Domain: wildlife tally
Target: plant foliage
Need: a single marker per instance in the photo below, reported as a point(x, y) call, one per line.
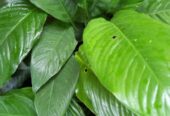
point(84, 57)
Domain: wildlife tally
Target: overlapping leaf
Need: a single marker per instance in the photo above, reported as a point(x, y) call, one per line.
point(63, 10)
point(20, 27)
point(54, 98)
point(17, 103)
point(55, 47)
point(91, 8)
point(132, 62)
point(96, 97)
point(130, 4)
point(74, 109)
point(158, 9)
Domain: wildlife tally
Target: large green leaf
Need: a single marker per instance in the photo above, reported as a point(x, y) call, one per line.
point(17, 103)
point(132, 62)
point(158, 9)
point(20, 27)
point(55, 47)
point(54, 98)
point(74, 109)
point(63, 10)
point(96, 97)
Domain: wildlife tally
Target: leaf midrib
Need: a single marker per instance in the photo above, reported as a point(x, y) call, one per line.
point(61, 36)
point(139, 54)
point(14, 27)
point(61, 3)
point(51, 93)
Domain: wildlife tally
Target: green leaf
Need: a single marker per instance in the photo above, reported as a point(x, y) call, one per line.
point(54, 98)
point(74, 109)
point(20, 27)
point(128, 2)
point(17, 103)
point(63, 10)
point(158, 9)
point(132, 62)
point(55, 47)
point(96, 97)
point(98, 7)
point(2, 3)
point(92, 8)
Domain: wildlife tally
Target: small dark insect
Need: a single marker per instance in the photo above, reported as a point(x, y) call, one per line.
point(85, 70)
point(114, 37)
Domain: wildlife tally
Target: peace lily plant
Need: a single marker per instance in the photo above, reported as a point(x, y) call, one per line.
point(84, 57)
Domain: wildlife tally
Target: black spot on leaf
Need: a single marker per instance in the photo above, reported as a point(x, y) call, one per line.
point(85, 70)
point(114, 37)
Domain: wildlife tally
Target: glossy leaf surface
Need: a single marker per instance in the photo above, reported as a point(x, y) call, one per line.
point(89, 9)
point(20, 27)
point(54, 98)
point(130, 61)
point(130, 2)
point(96, 97)
point(158, 9)
point(17, 103)
point(74, 109)
point(56, 45)
point(63, 10)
